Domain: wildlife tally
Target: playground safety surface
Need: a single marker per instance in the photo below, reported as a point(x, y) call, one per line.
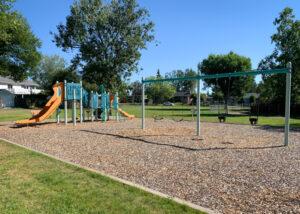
point(234, 168)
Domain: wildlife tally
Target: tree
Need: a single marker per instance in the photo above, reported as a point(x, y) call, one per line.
point(158, 75)
point(287, 49)
point(136, 91)
point(18, 46)
point(159, 91)
point(52, 69)
point(232, 62)
point(107, 38)
point(186, 85)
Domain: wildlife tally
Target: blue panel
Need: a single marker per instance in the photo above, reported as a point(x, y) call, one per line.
point(94, 101)
point(103, 101)
point(85, 98)
point(116, 102)
point(70, 91)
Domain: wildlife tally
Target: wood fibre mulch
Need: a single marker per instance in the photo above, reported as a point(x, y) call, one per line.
point(230, 169)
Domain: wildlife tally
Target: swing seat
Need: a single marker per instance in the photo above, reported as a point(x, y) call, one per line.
point(222, 118)
point(178, 120)
point(157, 118)
point(253, 121)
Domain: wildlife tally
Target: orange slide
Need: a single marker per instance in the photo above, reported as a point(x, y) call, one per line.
point(49, 108)
point(130, 116)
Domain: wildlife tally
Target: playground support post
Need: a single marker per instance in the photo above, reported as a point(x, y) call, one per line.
point(287, 104)
point(117, 106)
point(74, 107)
point(81, 105)
point(143, 105)
point(65, 102)
point(198, 105)
point(92, 110)
point(57, 111)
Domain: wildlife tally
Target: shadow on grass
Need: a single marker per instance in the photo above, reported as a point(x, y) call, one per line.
point(183, 147)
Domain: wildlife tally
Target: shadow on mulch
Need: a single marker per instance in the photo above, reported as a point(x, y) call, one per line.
point(183, 147)
point(277, 128)
point(15, 126)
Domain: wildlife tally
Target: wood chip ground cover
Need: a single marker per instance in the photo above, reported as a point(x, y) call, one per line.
point(234, 168)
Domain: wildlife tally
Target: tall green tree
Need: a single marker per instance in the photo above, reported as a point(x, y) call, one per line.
point(18, 45)
point(186, 85)
point(136, 91)
point(51, 69)
point(159, 92)
point(287, 49)
point(232, 62)
point(106, 37)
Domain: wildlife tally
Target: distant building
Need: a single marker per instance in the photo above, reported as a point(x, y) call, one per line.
point(183, 97)
point(247, 97)
point(9, 89)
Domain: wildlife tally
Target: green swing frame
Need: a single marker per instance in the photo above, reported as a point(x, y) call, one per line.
point(287, 71)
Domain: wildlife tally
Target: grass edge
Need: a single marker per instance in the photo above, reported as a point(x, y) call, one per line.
point(119, 180)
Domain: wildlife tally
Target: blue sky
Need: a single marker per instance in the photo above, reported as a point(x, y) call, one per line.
point(187, 31)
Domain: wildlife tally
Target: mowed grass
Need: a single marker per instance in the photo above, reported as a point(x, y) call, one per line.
point(178, 112)
point(13, 114)
point(34, 183)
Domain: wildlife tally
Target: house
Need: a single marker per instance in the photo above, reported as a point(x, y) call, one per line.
point(9, 89)
point(248, 98)
point(183, 97)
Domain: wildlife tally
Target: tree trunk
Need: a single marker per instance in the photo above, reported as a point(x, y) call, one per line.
point(226, 104)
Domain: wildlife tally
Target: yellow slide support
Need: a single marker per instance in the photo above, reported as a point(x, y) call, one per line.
point(49, 108)
point(129, 116)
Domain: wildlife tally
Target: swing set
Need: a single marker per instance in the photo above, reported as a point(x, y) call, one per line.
point(253, 120)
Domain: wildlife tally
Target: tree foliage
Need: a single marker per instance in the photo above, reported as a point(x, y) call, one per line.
point(107, 38)
point(136, 91)
point(232, 62)
point(52, 69)
point(287, 49)
point(159, 92)
point(186, 85)
point(18, 46)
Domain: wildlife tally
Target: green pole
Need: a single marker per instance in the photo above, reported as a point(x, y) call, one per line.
point(198, 106)
point(57, 110)
point(92, 110)
point(143, 105)
point(117, 109)
point(74, 107)
point(81, 105)
point(287, 104)
point(65, 102)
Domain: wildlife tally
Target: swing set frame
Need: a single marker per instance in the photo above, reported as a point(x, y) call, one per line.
point(199, 77)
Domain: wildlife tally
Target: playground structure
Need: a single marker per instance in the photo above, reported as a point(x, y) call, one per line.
point(73, 92)
point(287, 71)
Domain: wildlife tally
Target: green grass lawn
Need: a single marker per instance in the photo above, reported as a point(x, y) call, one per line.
point(14, 114)
point(182, 111)
point(34, 183)
point(176, 112)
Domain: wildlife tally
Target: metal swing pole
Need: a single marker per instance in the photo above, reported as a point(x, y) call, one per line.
point(143, 105)
point(287, 103)
point(198, 104)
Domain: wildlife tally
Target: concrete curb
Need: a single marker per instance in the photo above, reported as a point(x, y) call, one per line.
point(146, 189)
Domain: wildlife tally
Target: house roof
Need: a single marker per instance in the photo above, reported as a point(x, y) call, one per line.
point(6, 91)
point(182, 94)
point(5, 80)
